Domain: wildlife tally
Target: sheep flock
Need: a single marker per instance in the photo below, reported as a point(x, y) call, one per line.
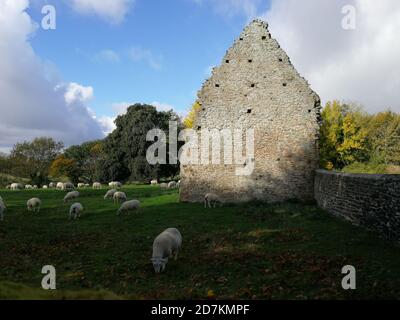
point(166, 245)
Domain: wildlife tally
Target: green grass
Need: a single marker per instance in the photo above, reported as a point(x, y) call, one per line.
point(286, 251)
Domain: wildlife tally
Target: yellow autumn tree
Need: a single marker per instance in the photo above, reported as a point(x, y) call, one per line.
point(191, 117)
point(342, 136)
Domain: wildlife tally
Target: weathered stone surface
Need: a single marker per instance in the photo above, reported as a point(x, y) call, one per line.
point(256, 86)
point(368, 200)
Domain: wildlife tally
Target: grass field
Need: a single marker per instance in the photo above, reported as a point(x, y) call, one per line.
point(252, 251)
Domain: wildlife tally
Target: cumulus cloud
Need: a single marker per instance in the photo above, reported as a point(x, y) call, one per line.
point(75, 92)
point(112, 11)
point(360, 65)
point(32, 102)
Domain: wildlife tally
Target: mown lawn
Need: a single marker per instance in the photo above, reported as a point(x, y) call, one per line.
point(252, 251)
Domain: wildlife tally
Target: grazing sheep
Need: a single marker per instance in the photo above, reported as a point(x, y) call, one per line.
point(70, 196)
point(52, 185)
point(68, 186)
point(34, 204)
point(75, 211)
point(119, 196)
point(165, 245)
point(154, 182)
point(16, 186)
point(164, 185)
point(45, 187)
point(115, 184)
point(172, 185)
point(28, 187)
point(129, 206)
point(87, 185)
point(35, 187)
point(110, 194)
point(211, 199)
point(81, 185)
point(96, 185)
point(60, 185)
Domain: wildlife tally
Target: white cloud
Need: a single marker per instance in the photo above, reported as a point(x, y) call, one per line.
point(107, 55)
point(112, 11)
point(139, 54)
point(162, 106)
point(75, 92)
point(360, 65)
point(32, 102)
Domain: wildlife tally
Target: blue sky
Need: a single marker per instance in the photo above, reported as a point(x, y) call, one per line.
point(180, 40)
point(70, 83)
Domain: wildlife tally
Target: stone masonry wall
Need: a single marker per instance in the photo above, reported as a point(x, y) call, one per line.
point(256, 86)
point(371, 201)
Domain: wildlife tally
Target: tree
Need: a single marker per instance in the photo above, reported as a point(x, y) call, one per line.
point(384, 137)
point(125, 148)
point(191, 117)
point(33, 159)
point(62, 166)
point(342, 137)
point(88, 158)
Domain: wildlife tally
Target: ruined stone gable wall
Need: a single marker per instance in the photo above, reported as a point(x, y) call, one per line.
point(256, 86)
point(368, 200)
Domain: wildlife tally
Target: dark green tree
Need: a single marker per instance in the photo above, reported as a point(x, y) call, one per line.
point(125, 148)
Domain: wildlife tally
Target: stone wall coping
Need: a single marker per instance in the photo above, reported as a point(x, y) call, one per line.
point(361, 175)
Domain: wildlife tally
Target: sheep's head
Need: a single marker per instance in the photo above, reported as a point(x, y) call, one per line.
point(159, 264)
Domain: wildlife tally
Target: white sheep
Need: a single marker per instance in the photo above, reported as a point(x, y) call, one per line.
point(81, 185)
point(172, 185)
point(68, 186)
point(60, 185)
point(129, 206)
point(52, 185)
point(165, 245)
point(75, 211)
point(154, 182)
point(110, 194)
point(70, 196)
point(28, 187)
point(35, 187)
point(119, 196)
point(212, 199)
point(87, 185)
point(34, 204)
point(96, 185)
point(16, 186)
point(115, 184)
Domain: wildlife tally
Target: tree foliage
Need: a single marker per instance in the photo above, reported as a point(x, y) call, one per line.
point(188, 122)
point(353, 139)
point(33, 159)
point(126, 146)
